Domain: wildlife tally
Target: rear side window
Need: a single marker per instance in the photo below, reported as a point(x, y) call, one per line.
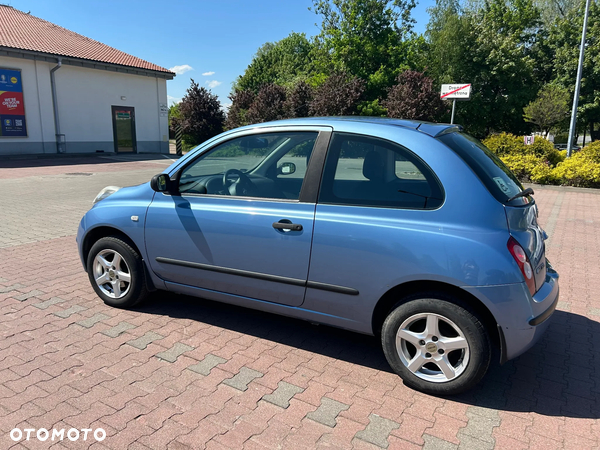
point(498, 178)
point(366, 171)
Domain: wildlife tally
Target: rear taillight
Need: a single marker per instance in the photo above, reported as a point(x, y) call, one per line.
point(523, 262)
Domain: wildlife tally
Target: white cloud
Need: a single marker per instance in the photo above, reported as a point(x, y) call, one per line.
point(181, 69)
point(172, 100)
point(208, 74)
point(225, 107)
point(213, 83)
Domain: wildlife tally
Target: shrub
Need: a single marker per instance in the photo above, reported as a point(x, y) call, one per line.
point(505, 144)
point(544, 148)
point(523, 166)
point(591, 151)
point(200, 115)
point(339, 95)
point(578, 170)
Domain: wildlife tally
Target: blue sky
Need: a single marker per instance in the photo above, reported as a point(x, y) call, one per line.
point(211, 41)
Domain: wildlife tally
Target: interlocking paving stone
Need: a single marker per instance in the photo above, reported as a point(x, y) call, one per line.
point(142, 342)
point(117, 330)
point(209, 362)
point(480, 425)
point(553, 218)
point(47, 303)
point(91, 321)
point(174, 352)
point(69, 311)
point(565, 306)
point(471, 443)
point(28, 295)
point(12, 287)
point(242, 378)
point(283, 394)
point(328, 411)
point(435, 443)
point(378, 431)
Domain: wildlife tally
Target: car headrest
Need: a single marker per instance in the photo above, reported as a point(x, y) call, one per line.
point(373, 167)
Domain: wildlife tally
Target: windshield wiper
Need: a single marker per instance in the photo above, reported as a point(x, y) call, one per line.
point(523, 193)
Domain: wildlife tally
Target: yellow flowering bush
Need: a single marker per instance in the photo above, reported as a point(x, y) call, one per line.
point(541, 163)
point(579, 170)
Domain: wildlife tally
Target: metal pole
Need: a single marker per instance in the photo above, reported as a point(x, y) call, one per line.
point(578, 82)
point(454, 106)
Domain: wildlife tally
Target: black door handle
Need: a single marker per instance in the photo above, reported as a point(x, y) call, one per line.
point(287, 226)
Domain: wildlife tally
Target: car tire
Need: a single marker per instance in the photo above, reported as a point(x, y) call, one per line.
point(444, 359)
point(116, 272)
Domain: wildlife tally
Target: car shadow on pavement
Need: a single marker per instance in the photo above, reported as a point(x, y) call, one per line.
point(557, 377)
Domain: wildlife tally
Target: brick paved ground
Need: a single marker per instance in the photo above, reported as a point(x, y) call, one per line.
point(183, 373)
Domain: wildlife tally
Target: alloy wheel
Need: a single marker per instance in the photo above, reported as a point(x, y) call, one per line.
point(432, 347)
point(112, 274)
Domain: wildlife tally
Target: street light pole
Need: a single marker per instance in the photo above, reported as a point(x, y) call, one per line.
point(578, 82)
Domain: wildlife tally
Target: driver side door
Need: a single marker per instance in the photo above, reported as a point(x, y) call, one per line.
point(238, 226)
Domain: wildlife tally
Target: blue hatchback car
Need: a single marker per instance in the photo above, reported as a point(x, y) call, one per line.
point(411, 231)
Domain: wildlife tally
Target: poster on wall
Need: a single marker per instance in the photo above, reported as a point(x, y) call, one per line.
point(12, 109)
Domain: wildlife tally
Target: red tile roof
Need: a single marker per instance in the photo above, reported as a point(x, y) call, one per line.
point(23, 31)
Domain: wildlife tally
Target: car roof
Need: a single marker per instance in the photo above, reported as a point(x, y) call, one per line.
point(429, 128)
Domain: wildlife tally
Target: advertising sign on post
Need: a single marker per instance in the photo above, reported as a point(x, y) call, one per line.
point(12, 108)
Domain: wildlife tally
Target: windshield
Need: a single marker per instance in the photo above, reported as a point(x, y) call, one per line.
point(498, 178)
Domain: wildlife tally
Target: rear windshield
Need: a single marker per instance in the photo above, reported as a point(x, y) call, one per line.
point(498, 178)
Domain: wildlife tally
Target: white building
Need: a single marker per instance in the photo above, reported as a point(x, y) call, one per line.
point(61, 92)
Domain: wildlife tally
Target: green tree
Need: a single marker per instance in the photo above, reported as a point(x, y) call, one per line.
point(565, 38)
point(369, 39)
point(549, 108)
point(283, 62)
point(494, 48)
point(201, 116)
point(174, 117)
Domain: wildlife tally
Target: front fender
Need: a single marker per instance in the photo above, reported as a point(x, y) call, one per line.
point(123, 212)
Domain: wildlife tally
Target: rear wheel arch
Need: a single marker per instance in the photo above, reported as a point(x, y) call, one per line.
point(387, 302)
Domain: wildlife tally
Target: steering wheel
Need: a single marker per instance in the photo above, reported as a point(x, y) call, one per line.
point(242, 187)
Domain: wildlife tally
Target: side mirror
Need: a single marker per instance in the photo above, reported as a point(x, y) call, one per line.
point(287, 168)
point(162, 183)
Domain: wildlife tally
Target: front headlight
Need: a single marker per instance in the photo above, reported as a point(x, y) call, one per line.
point(108, 190)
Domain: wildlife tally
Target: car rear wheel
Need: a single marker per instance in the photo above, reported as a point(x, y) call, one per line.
point(116, 272)
point(437, 344)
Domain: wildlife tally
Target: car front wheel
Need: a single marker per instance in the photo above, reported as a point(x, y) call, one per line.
point(436, 344)
point(116, 272)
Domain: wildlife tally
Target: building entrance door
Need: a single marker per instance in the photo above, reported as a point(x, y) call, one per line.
point(123, 118)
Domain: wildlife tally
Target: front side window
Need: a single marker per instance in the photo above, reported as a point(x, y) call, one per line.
point(367, 171)
point(268, 165)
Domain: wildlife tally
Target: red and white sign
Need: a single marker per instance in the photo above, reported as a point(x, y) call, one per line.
point(528, 139)
point(11, 103)
point(453, 91)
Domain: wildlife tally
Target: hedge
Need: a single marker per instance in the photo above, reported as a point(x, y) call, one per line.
point(541, 163)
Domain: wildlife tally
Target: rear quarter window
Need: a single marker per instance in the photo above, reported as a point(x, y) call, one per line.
point(490, 169)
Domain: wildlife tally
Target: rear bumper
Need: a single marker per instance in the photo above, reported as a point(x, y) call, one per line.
point(521, 319)
point(518, 341)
